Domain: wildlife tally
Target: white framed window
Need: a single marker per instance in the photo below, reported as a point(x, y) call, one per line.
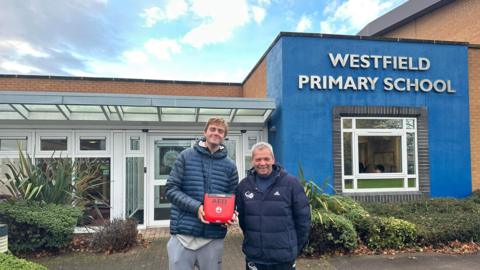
point(135, 143)
point(249, 140)
point(92, 144)
point(379, 154)
point(10, 140)
point(53, 143)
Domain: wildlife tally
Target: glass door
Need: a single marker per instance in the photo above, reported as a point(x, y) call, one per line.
point(164, 152)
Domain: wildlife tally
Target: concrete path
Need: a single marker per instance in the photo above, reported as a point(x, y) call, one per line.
point(155, 258)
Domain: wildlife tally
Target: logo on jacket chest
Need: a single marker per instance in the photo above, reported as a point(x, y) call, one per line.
point(249, 195)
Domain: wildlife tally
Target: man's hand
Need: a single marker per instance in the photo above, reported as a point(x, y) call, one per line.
point(232, 221)
point(201, 215)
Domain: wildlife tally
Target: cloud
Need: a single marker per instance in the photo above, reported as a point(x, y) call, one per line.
point(218, 23)
point(14, 67)
point(350, 16)
point(162, 48)
point(264, 2)
point(21, 48)
point(172, 10)
point(50, 37)
point(135, 57)
point(258, 14)
point(304, 24)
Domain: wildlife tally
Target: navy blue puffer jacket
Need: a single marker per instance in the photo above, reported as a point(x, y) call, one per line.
point(196, 172)
point(275, 223)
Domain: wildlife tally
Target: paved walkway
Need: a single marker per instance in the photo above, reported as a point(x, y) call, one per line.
point(154, 257)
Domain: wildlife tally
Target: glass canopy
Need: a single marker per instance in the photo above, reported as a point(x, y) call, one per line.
point(125, 108)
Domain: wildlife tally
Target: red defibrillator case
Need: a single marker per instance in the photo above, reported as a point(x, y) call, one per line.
point(218, 208)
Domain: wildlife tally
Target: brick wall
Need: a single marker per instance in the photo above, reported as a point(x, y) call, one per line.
point(58, 84)
point(256, 85)
point(457, 21)
point(474, 95)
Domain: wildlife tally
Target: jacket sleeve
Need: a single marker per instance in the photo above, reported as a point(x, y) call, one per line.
point(301, 215)
point(240, 208)
point(174, 190)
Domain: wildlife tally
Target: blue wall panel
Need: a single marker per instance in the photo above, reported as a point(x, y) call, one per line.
point(303, 120)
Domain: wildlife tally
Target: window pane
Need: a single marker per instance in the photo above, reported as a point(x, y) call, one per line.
point(347, 123)
point(380, 154)
point(231, 147)
point(410, 123)
point(380, 123)
point(348, 183)
point(250, 112)
point(134, 143)
point(412, 182)
point(252, 140)
point(411, 153)
point(248, 164)
point(380, 183)
point(92, 144)
point(4, 169)
point(134, 192)
point(347, 153)
point(13, 143)
point(162, 205)
point(166, 153)
point(84, 108)
point(97, 210)
point(58, 144)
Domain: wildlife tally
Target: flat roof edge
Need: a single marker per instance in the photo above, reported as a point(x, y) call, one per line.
point(57, 77)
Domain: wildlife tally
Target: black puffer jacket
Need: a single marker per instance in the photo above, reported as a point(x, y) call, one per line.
point(276, 223)
point(196, 172)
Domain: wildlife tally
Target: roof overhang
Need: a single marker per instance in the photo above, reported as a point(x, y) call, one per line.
point(120, 108)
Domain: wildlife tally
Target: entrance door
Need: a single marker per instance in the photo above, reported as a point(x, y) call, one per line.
point(163, 151)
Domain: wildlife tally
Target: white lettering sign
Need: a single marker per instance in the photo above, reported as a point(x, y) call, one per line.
point(366, 83)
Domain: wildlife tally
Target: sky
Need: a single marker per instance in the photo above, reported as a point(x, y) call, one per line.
point(189, 40)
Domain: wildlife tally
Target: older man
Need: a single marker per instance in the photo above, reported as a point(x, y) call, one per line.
point(274, 213)
point(205, 168)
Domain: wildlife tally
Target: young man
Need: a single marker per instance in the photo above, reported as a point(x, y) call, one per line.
point(205, 168)
point(274, 213)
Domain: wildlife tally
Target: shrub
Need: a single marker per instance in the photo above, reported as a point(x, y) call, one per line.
point(438, 221)
point(353, 211)
point(33, 226)
point(11, 262)
point(116, 235)
point(333, 233)
point(475, 196)
point(390, 233)
point(57, 181)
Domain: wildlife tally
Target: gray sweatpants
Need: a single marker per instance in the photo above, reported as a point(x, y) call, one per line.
point(208, 257)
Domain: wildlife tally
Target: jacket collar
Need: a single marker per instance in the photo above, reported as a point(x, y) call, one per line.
point(201, 148)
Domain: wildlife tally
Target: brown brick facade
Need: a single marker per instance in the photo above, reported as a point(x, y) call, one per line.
point(93, 85)
point(474, 95)
point(457, 21)
point(256, 84)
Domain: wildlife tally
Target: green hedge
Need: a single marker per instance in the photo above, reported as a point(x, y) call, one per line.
point(33, 226)
point(10, 262)
point(438, 221)
point(353, 211)
point(330, 232)
point(390, 233)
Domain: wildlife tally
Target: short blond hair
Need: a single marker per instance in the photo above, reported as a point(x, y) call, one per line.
point(217, 121)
